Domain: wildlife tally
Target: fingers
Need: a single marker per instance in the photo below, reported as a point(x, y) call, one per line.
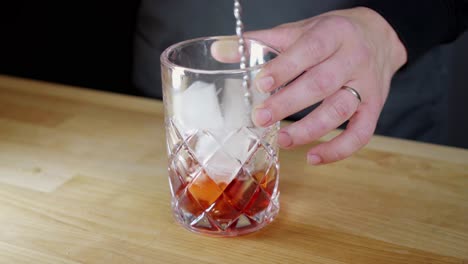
point(280, 37)
point(333, 112)
point(312, 87)
point(320, 63)
point(313, 47)
point(356, 135)
point(226, 50)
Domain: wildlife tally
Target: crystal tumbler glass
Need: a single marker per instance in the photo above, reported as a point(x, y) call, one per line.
point(223, 170)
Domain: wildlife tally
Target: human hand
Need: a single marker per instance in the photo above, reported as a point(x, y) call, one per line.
point(353, 47)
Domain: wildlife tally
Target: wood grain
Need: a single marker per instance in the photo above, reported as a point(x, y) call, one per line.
point(83, 179)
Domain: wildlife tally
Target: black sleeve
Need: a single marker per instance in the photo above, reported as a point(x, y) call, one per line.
point(422, 25)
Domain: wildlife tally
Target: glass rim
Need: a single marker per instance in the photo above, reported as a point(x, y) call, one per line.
point(164, 58)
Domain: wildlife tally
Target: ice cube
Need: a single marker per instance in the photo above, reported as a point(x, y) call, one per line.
point(236, 112)
point(197, 108)
point(222, 167)
point(236, 107)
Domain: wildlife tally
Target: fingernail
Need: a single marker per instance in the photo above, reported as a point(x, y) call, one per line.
point(261, 116)
point(225, 50)
point(264, 83)
point(284, 139)
point(313, 159)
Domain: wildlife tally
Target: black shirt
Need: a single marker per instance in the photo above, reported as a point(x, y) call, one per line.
point(422, 25)
point(417, 105)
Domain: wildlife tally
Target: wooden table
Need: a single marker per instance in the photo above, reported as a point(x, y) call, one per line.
point(83, 180)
